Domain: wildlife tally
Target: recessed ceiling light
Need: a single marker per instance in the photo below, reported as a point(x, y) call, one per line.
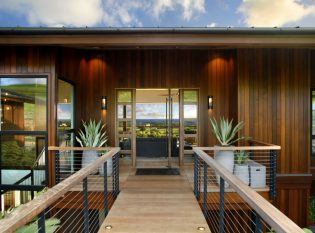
point(201, 228)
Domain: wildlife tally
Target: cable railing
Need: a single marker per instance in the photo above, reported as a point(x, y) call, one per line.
point(238, 200)
point(80, 200)
point(32, 178)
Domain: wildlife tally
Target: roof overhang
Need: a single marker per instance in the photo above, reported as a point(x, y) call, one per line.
point(160, 37)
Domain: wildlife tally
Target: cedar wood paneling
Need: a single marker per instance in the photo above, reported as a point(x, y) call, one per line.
point(273, 92)
point(99, 73)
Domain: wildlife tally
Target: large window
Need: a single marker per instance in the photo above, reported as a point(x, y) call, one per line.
point(23, 132)
point(313, 123)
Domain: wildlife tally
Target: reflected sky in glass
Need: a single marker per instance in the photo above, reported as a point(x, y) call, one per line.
point(158, 111)
point(21, 81)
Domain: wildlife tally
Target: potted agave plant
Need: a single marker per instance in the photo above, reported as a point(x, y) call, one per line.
point(241, 166)
point(226, 135)
point(92, 136)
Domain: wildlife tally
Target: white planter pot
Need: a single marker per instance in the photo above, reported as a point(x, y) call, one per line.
point(257, 174)
point(89, 157)
point(226, 159)
point(242, 172)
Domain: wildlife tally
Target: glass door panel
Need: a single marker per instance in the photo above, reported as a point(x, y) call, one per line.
point(124, 122)
point(152, 129)
point(174, 137)
point(189, 129)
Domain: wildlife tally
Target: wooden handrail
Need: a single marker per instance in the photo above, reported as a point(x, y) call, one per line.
point(234, 148)
point(56, 148)
point(274, 217)
point(33, 208)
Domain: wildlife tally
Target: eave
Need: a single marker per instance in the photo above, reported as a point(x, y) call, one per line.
point(160, 37)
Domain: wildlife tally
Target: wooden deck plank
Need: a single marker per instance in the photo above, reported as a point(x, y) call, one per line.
point(155, 204)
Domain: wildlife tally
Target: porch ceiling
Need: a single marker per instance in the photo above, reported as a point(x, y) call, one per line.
point(115, 38)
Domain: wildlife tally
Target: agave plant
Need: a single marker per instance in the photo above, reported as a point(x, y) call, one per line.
point(92, 135)
point(241, 157)
point(224, 131)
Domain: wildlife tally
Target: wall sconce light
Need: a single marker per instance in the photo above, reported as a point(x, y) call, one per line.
point(104, 103)
point(210, 102)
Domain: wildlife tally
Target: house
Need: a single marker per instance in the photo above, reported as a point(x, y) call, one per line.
point(262, 76)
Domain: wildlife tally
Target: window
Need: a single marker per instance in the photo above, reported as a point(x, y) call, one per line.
point(66, 123)
point(23, 132)
point(313, 123)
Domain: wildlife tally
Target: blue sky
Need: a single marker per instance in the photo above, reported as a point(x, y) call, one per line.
point(154, 13)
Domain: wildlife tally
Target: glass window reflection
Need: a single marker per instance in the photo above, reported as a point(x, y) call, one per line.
point(23, 104)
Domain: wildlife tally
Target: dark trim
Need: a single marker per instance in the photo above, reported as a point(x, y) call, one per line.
point(312, 137)
point(157, 30)
point(294, 181)
point(7, 187)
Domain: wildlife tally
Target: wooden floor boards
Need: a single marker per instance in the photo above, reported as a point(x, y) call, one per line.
point(154, 204)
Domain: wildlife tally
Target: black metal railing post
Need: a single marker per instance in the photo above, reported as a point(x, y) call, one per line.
point(41, 223)
point(115, 175)
point(273, 170)
point(57, 167)
point(221, 227)
point(32, 183)
point(105, 190)
point(205, 187)
point(85, 205)
point(258, 224)
point(197, 177)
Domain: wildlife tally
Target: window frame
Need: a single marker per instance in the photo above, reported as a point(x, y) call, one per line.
point(312, 136)
point(72, 130)
point(6, 187)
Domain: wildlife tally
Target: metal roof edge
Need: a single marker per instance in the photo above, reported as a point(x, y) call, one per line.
point(157, 30)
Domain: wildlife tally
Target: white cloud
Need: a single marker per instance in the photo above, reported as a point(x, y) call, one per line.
point(93, 12)
point(211, 25)
point(189, 7)
point(57, 12)
point(266, 13)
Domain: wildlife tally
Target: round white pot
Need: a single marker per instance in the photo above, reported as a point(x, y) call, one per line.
point(226, 159)
point(242, 172)
point(89, 157)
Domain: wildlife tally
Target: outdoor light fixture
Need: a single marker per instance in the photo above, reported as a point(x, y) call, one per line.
point(104, 103)
point(210, 102)
point(108, 227)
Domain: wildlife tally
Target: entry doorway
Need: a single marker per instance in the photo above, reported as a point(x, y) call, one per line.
point(157, 127)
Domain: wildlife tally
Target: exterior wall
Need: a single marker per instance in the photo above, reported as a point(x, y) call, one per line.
point(274, 103)
point(99, 73)
point(267, 88)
